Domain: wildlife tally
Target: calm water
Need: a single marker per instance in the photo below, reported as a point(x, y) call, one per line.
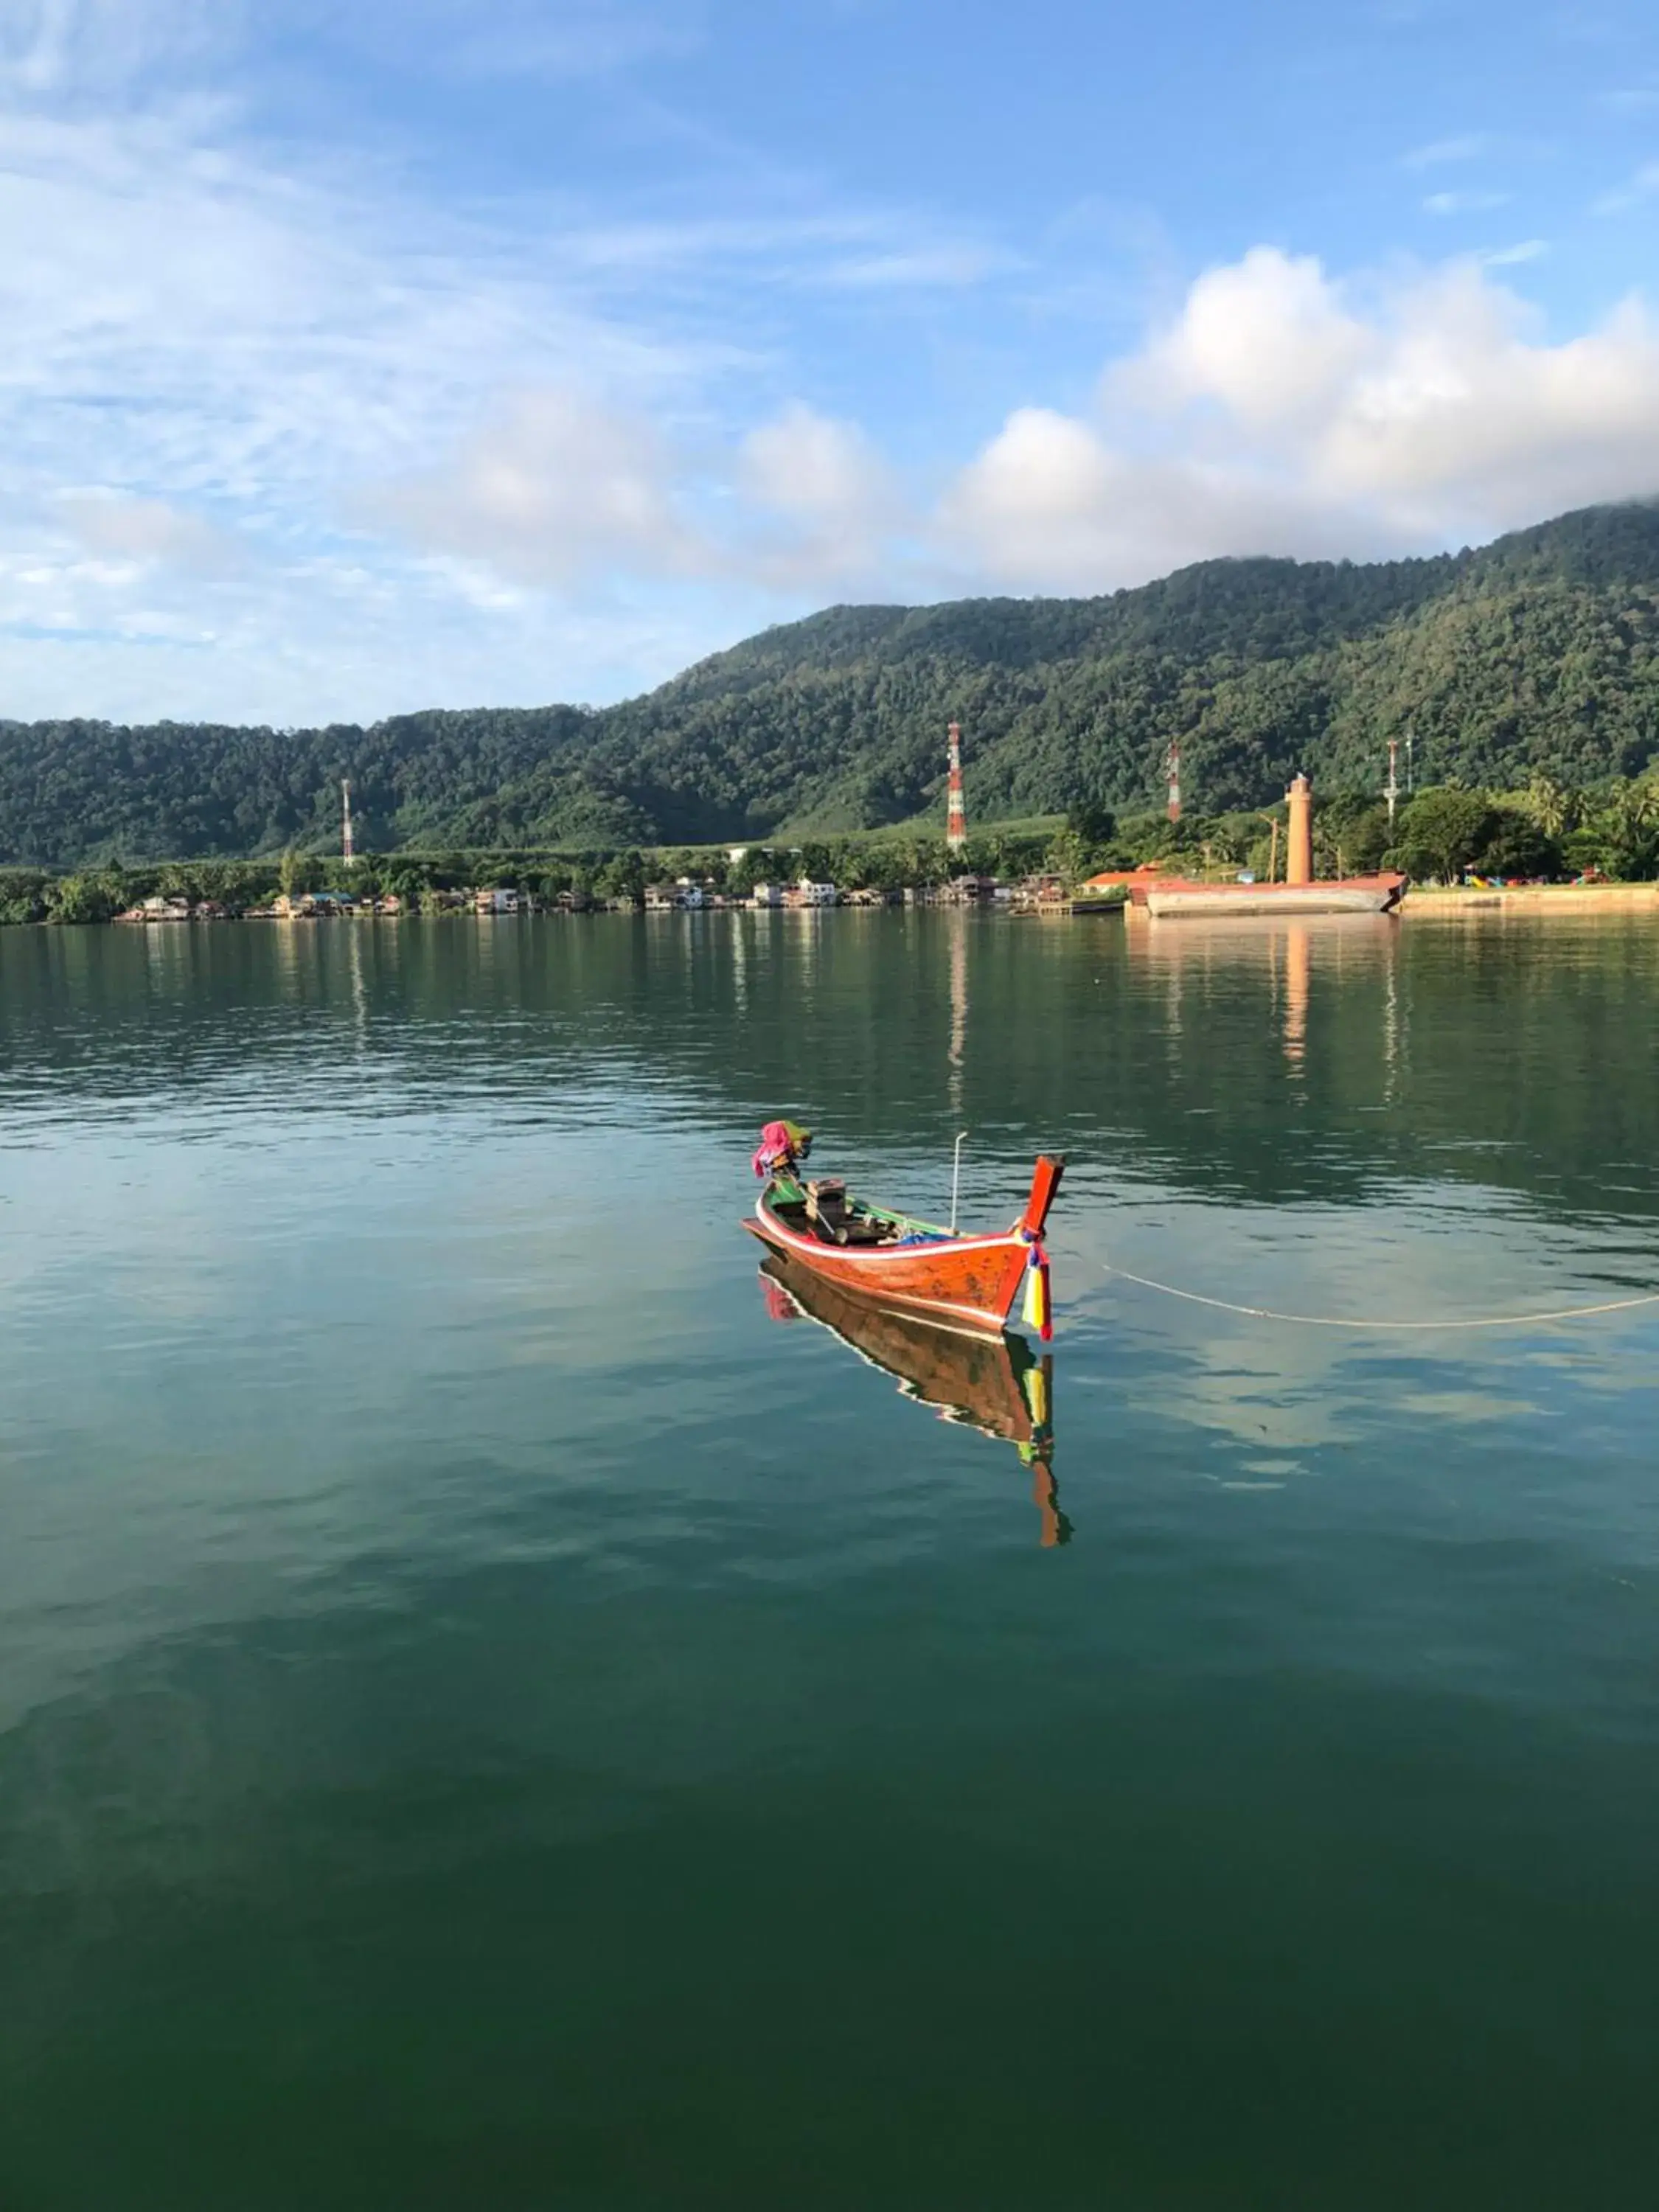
point(491, 1716)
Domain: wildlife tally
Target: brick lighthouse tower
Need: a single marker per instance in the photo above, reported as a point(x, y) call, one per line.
point(955, 820)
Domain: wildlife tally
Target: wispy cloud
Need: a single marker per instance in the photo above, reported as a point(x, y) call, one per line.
point(518, 39)
point(1440, 151)
point(210, 350)
point(1447, 203)
point(921, 267)
point(811, 246)
point(1633, 192)
point(307, 441)
point(1510, 257)
point(90, 47)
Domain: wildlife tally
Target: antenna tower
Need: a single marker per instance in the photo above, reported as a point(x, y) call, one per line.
point(1391, 788)
point(956, 824)
point(347, 850)
point(1172, 769)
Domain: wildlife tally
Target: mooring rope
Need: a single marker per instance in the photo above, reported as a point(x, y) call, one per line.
point(1331, 1321)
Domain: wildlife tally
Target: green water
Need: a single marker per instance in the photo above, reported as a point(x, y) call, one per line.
point(490, 1717)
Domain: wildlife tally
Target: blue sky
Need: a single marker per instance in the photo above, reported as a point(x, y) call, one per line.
point(391, 353)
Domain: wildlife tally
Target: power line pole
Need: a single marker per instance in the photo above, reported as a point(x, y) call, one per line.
point(1172, 769)
point(1391, 789)
point(348, 851)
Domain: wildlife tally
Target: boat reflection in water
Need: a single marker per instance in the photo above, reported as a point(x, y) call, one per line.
point(996, 1384)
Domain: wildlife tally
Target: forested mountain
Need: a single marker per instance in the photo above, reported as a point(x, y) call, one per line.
point(1538, 653)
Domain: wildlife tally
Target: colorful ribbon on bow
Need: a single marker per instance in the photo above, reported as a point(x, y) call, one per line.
point(1038, 1310)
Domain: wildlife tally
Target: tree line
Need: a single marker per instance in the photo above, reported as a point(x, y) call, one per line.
point(1534, 656)
point(1544, 831)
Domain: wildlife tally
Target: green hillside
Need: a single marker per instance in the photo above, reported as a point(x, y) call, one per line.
point(1538, 653)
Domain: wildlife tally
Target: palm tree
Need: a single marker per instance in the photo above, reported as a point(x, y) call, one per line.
point(1628, 810)
point(1626, 822)
point(1552, 806)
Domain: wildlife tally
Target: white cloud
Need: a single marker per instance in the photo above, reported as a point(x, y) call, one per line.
point(824, 483)
point(555, 486)
point(1274, 416)
point(1511, 257)
point(1265, 338)
point(150, 533)
point(1041, 503)
point(804, 464)
point(1462, 411)
point(1052, 506)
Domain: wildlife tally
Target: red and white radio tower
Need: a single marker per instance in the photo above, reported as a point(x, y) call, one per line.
point(1172, 767)
point(956, 821)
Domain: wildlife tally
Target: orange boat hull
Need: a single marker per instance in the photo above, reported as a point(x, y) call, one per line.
point(970, 1282)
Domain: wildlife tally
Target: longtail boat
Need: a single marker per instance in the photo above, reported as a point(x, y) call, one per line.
point(996, 1384)
point(961, 1281)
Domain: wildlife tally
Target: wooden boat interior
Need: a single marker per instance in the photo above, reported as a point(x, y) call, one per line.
point(823, 1210)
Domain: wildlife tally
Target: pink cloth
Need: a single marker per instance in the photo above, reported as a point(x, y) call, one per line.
point(777, 1147)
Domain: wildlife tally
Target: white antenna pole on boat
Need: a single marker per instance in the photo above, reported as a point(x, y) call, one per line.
point(956, 1178)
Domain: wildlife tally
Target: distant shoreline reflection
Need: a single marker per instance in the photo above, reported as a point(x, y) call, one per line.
point(997, 1385)
point(1284, 953)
